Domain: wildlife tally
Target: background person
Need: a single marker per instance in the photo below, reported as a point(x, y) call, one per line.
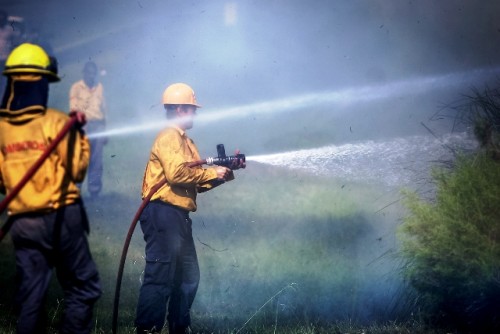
point(49, 223)
point(87, 96)
point(172, 273)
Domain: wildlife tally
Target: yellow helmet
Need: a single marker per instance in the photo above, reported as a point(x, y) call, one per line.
point(179, 93)
point(30, 58)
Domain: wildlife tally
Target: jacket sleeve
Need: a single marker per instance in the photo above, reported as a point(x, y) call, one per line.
point(81, 158)
point(74, 152)
point(170, 151)
point(104, 106)
point(209, 185)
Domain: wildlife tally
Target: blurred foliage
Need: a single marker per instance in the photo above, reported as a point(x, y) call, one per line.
point(452, 246)
point(478, 111)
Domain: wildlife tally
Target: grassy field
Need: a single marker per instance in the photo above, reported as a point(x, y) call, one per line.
point(280, 251)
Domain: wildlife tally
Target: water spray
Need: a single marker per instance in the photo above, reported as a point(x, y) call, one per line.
point(396, 162)
point(233, 162)
point(345, 96)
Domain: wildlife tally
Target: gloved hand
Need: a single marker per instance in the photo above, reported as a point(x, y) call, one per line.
point(222, 172)
point(237, 163)
point(81, 120)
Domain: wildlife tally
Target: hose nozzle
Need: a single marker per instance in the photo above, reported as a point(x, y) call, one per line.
point(232, 161)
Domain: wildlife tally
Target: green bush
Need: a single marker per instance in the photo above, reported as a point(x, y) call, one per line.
point(451, 246)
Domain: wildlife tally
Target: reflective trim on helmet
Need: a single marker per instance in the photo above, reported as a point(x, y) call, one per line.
point(31, 69)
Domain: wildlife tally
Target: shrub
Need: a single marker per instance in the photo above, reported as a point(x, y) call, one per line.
point(451, 246)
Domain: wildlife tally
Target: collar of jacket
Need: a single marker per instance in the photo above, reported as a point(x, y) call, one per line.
point(181, 132)
point(25, 98)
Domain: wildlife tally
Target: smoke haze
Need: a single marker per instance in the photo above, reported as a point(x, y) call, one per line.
point(277, 78)
point(235, 52)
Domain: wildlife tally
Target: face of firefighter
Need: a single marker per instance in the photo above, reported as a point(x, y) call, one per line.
point(90, 75)
point(185, 116)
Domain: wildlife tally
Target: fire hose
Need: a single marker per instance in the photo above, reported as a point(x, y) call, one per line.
point(220, 160)
point(33, 169)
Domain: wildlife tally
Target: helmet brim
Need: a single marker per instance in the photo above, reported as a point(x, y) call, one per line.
point(24, 70)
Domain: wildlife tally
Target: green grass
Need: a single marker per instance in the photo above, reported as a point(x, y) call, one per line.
point(316, 241)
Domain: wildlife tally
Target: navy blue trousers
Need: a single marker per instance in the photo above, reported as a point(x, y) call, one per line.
point(172, 273)
point(57, 240)
point(96, 166)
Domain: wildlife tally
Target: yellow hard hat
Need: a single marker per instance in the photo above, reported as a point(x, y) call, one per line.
point(179, 93)
point(31, 58)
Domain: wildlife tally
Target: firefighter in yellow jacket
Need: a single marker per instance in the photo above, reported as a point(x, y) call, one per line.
point(172, 274)
point(49, 223)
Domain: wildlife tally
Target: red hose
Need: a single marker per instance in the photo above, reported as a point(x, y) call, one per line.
point(29, 174)
point(131, 229)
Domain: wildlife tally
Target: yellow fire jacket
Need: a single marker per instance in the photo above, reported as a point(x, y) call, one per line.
point(54, 184)
point(171, 150)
